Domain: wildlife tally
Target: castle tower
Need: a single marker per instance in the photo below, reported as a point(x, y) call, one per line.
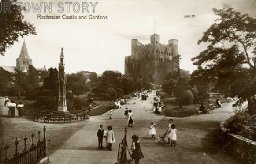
point(154, 39)
point(62, 103)
point(174, 44)
point(23, 62)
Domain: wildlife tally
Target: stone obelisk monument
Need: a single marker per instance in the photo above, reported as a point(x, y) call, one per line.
point(62, 104)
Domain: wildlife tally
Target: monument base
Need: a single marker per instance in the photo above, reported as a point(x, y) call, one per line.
point(62, 108)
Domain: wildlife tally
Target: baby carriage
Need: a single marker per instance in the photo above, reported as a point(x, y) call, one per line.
point(162, 137)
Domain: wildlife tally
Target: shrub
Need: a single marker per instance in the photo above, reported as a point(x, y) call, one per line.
point(47, 102)
point(187, 97)
point(80, 103)
point(236, 123)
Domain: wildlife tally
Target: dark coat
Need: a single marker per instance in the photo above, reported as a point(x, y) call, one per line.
point(100, 133)
point(137, 153)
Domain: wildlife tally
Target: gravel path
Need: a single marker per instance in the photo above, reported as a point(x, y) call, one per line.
point(195, 138)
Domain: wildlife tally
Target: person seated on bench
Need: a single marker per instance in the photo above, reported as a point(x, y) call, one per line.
point(202, 109)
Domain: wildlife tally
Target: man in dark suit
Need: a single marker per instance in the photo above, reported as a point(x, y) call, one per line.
point(100, 135)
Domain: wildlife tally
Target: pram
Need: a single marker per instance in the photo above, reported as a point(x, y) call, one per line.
point(162, 137)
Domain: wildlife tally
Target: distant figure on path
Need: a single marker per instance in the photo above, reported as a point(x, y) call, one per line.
point(6, 99)
point(20, 109)
point(130, 118)
point(100, 135)
point(126, 112)
point(173, 135)
point(203, 109)
point(218, 103)
point(110, 138)
point(136, 149)
point(152, 130)
point(110, 114)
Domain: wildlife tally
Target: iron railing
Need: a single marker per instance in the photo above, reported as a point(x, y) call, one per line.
point(29, 154)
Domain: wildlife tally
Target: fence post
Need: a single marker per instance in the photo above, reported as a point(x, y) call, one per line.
point(25, 143)
point(16, 146)
point(32, 139)
point(44, 131)
point(38, 133)
point(44, 141)
point(6, 150)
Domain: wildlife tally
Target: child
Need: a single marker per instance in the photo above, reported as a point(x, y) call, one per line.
point(169, 129)
point(100, 135)
point(110, 138)
point(110, 117)
point(172, 135)
point(137, 154)
point(152, 130)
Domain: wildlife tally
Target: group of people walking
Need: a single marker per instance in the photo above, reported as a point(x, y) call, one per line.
point(107, 137)
point(129, 116)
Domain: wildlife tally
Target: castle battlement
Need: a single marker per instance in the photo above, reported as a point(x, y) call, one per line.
point(152, 61)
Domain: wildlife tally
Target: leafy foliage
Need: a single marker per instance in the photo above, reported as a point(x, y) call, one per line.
point(187, 98)
point(77, 83)
point(112, 85)
point(231, 53)
point(176, 83)
point(13, 25)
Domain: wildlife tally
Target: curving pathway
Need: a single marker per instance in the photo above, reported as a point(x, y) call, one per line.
point(194, 145)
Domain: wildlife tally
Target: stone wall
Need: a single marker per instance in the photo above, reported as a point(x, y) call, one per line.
point(238, 146)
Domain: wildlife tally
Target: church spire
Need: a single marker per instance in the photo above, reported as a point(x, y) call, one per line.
point(24, 51)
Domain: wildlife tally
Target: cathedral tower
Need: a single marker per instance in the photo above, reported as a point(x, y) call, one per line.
point(62, 103)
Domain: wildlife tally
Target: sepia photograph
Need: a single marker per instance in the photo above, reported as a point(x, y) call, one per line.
point(127, 82)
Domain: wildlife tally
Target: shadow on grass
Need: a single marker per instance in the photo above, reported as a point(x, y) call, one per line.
point(211, 142)
point(215, 149)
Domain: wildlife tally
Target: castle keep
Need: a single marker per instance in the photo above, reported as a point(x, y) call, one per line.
point(152, 62)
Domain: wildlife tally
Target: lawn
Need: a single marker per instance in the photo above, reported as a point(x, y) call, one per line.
point(101, 108)
point(176, 111)
point(57, 134)
point(173, 110)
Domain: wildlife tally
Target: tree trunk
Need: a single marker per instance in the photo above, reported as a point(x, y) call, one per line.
point(251, 105)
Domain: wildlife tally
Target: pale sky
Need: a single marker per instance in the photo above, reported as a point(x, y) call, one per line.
point(99, 45)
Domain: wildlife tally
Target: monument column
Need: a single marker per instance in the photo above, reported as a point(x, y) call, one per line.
point(62, 103)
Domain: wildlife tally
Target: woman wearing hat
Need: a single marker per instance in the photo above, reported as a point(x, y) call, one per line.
point(136, 150)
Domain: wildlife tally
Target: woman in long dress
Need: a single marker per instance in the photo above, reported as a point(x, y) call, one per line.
point(130, 118)
point(152, 130)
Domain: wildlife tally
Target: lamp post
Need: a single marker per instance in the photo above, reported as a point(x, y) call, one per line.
point(122, 156)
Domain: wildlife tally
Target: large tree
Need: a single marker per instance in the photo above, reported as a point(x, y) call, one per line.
point(231, 50)
point(76, 82)
point(12, 24)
